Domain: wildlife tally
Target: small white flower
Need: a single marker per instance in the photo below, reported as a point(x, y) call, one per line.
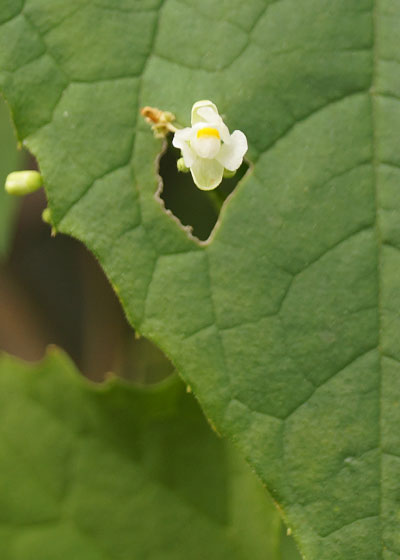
point(208, 148)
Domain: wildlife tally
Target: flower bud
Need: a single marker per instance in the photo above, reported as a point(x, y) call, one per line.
point(20, 183)
point(180, 164)
point(46, 216)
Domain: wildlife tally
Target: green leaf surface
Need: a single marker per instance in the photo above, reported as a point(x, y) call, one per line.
point(285, 323)
point(10, 160)
point(115, 472)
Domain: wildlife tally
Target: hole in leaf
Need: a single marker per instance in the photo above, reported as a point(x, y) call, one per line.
point(193, 207)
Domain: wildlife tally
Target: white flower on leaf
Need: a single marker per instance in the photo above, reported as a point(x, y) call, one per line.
point(207, 146)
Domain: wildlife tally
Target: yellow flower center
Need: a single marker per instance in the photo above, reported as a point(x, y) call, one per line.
point(208, 131)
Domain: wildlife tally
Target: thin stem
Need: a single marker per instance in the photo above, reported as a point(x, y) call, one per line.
point(216, 198)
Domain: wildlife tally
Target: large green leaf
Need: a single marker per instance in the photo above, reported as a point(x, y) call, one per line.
point(117, 472)
point(286, 322)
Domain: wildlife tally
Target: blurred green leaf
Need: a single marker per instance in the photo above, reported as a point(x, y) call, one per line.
point(286, 322)
point(92, 472)
point(10, 160)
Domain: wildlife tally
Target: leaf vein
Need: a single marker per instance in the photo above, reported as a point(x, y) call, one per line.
point(304, 119)
point(368, 517)
point(331, 377)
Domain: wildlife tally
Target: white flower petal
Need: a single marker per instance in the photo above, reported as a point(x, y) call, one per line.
point(198, 126)
point(189, 155)
point(196, 117)
point(207, 173)
point(208, 115)
point(181, 140)
point(231, 153)
point(224, 131)
point(181, 136)
point(206, 147)
point(205, 112)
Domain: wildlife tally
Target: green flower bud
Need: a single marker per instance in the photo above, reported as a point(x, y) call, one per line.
point(180, 164)
point(46, 216)
point(20, 183)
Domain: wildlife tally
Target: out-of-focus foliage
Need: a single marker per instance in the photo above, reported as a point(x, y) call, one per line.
point(10, 160)
point(112, 471)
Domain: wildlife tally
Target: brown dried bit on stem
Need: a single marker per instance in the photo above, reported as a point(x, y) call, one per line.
point(160, 121)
